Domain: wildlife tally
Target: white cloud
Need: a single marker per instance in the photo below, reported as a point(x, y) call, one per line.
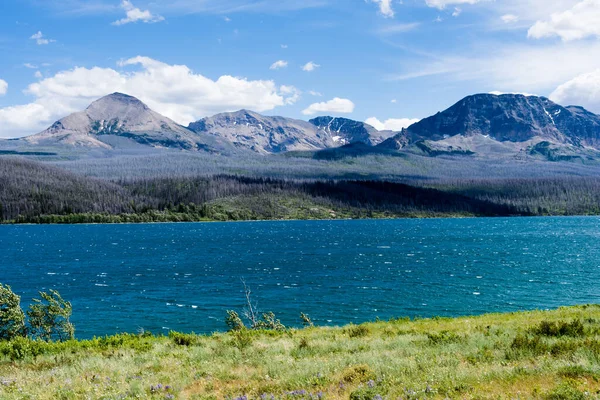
point(310, 66)
point(530, 67)
point(441, 4)
point(172, 90)
point(509, 18)
point(38, 75)
point(397, 28)
point(40, 39)
point(385, 7)
point(457, 12)
point(30, 66)
point(279, 64)
point(284, 46)
point(579, 22)
point(394, 101)
point(391, 124)
point(291, 94)
point(336, 105)
point(315, 93)
point(583, 90)
point(134, 14)
point(3, 87)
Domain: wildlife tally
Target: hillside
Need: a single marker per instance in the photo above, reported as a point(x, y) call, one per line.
point(120, 121)
point(488, 124)
point(536, 355)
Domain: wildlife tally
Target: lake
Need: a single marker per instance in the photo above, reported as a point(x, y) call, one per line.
point(161, 277)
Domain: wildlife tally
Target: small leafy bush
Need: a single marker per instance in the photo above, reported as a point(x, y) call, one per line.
point(183, 339)
point(234, 322)
point(358, 374)
point(566, 391)
point(49, 318)
point(553, 329)
point(443, 337)
point(12, 317)
point(358, 331)
point(241, 339)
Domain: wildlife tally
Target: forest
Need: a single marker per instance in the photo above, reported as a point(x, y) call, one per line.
point(186, 188)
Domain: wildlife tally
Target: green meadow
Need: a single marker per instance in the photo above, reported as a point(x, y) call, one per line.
point(530, 355)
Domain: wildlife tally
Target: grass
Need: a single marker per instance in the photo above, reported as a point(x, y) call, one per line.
point(538, 355)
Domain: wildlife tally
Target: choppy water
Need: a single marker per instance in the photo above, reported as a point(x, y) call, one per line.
point(185, 276)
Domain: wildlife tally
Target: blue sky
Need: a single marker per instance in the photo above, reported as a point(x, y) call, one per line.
point(385, 61)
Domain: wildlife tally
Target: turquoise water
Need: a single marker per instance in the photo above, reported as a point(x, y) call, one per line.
point(157, 277)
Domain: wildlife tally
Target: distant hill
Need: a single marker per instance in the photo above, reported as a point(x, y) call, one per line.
point(264, 134)
point(117, 121)
point(518, 122)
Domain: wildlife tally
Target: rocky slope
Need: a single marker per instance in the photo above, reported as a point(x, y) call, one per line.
point(514, 120)
point(265, 134)
point(117, 120)
point(262, 134)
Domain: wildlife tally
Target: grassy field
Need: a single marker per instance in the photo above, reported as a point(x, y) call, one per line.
point(539, 355)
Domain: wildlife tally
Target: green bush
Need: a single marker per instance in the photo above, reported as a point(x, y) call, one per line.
point(233, 321)
point(183, 339)
point(554, 329)
point(49, 318)
point(358, 331)
point(12, 317)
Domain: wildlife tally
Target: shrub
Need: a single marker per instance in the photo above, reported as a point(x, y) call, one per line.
point(49, 317)
point(269, 323)
point(358, 374)
point(306, 321)
point(12, 317)
point(241, 339)
point(233, 321)
point(357, 331)
point(443, 337)
point(566, 391)
point(183, 339)
point(553, 329)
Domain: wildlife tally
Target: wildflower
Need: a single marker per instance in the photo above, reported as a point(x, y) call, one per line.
point(371, 383)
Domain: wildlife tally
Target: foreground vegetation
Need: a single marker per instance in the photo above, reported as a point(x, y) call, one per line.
point(538, 355)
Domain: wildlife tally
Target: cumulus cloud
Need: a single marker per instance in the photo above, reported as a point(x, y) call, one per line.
point(583, 90)
point(279, 64)
point(441, 4)
point(509, 18)
point(134, 14)
point(385, 7)
point(391, 124)
point(579, 22)
point(335, 105)
point(40, 39)
point(172, 90)
point(3, 87)
point(310, 66)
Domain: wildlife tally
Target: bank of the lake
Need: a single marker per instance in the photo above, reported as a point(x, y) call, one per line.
point(533, 355)
point(184, 276)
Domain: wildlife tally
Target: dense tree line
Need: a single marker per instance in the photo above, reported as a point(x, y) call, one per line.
point(35, 192)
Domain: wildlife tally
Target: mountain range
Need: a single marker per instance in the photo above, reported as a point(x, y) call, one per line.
point(478, 125)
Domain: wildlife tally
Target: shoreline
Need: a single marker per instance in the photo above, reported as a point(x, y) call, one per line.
point(418, 217)
point(552, 354)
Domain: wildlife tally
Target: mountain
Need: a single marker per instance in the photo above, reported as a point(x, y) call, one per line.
point(265, 134)
point(512, 120)
point(117, 120)
point(346, 131)
point(262, 134)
